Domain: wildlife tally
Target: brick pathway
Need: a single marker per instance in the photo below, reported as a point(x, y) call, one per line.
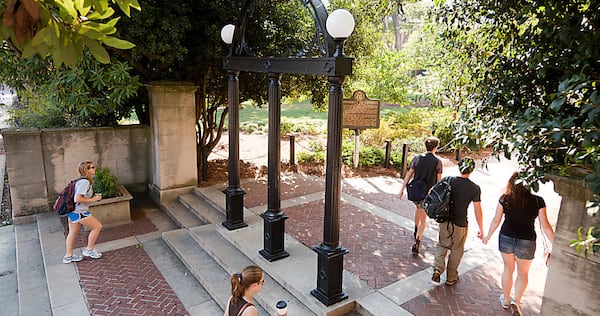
point(126, 282)
point(380, 250)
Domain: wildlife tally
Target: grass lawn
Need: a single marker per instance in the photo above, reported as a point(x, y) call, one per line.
point(300, 115)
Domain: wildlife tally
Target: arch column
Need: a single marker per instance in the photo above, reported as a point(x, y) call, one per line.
point(330, 255)
point(234, 195)
point(274, 218)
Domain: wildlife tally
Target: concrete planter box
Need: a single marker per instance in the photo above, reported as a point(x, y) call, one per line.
point(113, 211)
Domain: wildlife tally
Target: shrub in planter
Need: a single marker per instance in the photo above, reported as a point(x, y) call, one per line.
point(105, 183)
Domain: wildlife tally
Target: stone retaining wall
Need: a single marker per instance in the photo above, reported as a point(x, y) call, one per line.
point(40, 162)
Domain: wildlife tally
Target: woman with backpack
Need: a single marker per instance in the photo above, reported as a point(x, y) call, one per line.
point(517, 237)
point(84, 195)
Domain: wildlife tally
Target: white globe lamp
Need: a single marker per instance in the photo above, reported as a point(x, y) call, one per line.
point(340, 24)
point(227, 33)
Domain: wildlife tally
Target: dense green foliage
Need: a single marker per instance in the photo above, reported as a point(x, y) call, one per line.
point(401, 126)
point(105, 183)
point(533, 74)
point(92, 94)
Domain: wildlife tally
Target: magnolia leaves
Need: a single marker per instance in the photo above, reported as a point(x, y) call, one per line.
point(63, 28)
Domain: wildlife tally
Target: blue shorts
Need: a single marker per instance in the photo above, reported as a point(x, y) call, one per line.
point(76, 217)
point(522, 248)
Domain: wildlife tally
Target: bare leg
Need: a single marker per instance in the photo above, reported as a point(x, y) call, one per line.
point(522, 278)
point(95, 227)
point(417, 221)
point(507, 274)
point(70, 242)
point(420, 222)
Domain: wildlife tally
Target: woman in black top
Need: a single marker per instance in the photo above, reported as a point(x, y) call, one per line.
point(244, 286)
point(517, 236)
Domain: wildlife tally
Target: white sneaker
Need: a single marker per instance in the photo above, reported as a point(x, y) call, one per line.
point(72, 258)
point(91, 253)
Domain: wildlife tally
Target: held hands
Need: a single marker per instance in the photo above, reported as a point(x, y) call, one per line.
point(480, 235)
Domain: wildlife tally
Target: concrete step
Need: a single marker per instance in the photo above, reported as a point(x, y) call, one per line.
point(213, 278)
point(213, 197)
point(31, 276)
point(232, 261)
point(226, 246)
point(64, 291)
point(296, 273)
point(203, 209)
point(8, 271)
point(190, 292)
point(180, 214)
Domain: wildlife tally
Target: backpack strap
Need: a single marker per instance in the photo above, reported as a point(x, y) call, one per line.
point(244, 308)
point(75, 185)
point(450, 228)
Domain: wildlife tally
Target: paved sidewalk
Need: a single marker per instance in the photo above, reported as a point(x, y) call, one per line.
point(139, 275)
point(377, 228)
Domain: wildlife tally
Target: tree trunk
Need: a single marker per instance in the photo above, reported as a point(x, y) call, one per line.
point(208, 130)
point(398, 34)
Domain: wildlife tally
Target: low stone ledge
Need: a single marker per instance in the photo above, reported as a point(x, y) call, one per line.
point(113, 211)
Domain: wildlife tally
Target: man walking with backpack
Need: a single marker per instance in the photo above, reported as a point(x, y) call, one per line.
point(425, 170)
point(453, 233)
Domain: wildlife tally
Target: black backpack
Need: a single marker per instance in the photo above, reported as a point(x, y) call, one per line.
point(65, 202)
point(417, 188)
point(437, 202)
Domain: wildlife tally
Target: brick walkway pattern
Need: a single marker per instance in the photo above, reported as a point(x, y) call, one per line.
point(126, 282)
point(380, 250)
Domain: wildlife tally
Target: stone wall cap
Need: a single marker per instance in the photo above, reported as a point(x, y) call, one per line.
point(17, 130)
point(170, 84)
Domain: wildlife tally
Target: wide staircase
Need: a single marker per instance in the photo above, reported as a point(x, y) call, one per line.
point(212, 254)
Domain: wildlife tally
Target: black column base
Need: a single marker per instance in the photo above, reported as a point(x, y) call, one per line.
point(234, 207)
point(329, 274)
point(274, 229)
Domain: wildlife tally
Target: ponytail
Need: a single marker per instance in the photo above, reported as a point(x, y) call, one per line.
point(241, 281)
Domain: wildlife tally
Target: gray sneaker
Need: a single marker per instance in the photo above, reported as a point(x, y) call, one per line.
point(72, 258)
point(516, 309)
point(91, 253)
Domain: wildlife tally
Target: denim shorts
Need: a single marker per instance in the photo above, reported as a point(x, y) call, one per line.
point(522, 248)
point(76, 217)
